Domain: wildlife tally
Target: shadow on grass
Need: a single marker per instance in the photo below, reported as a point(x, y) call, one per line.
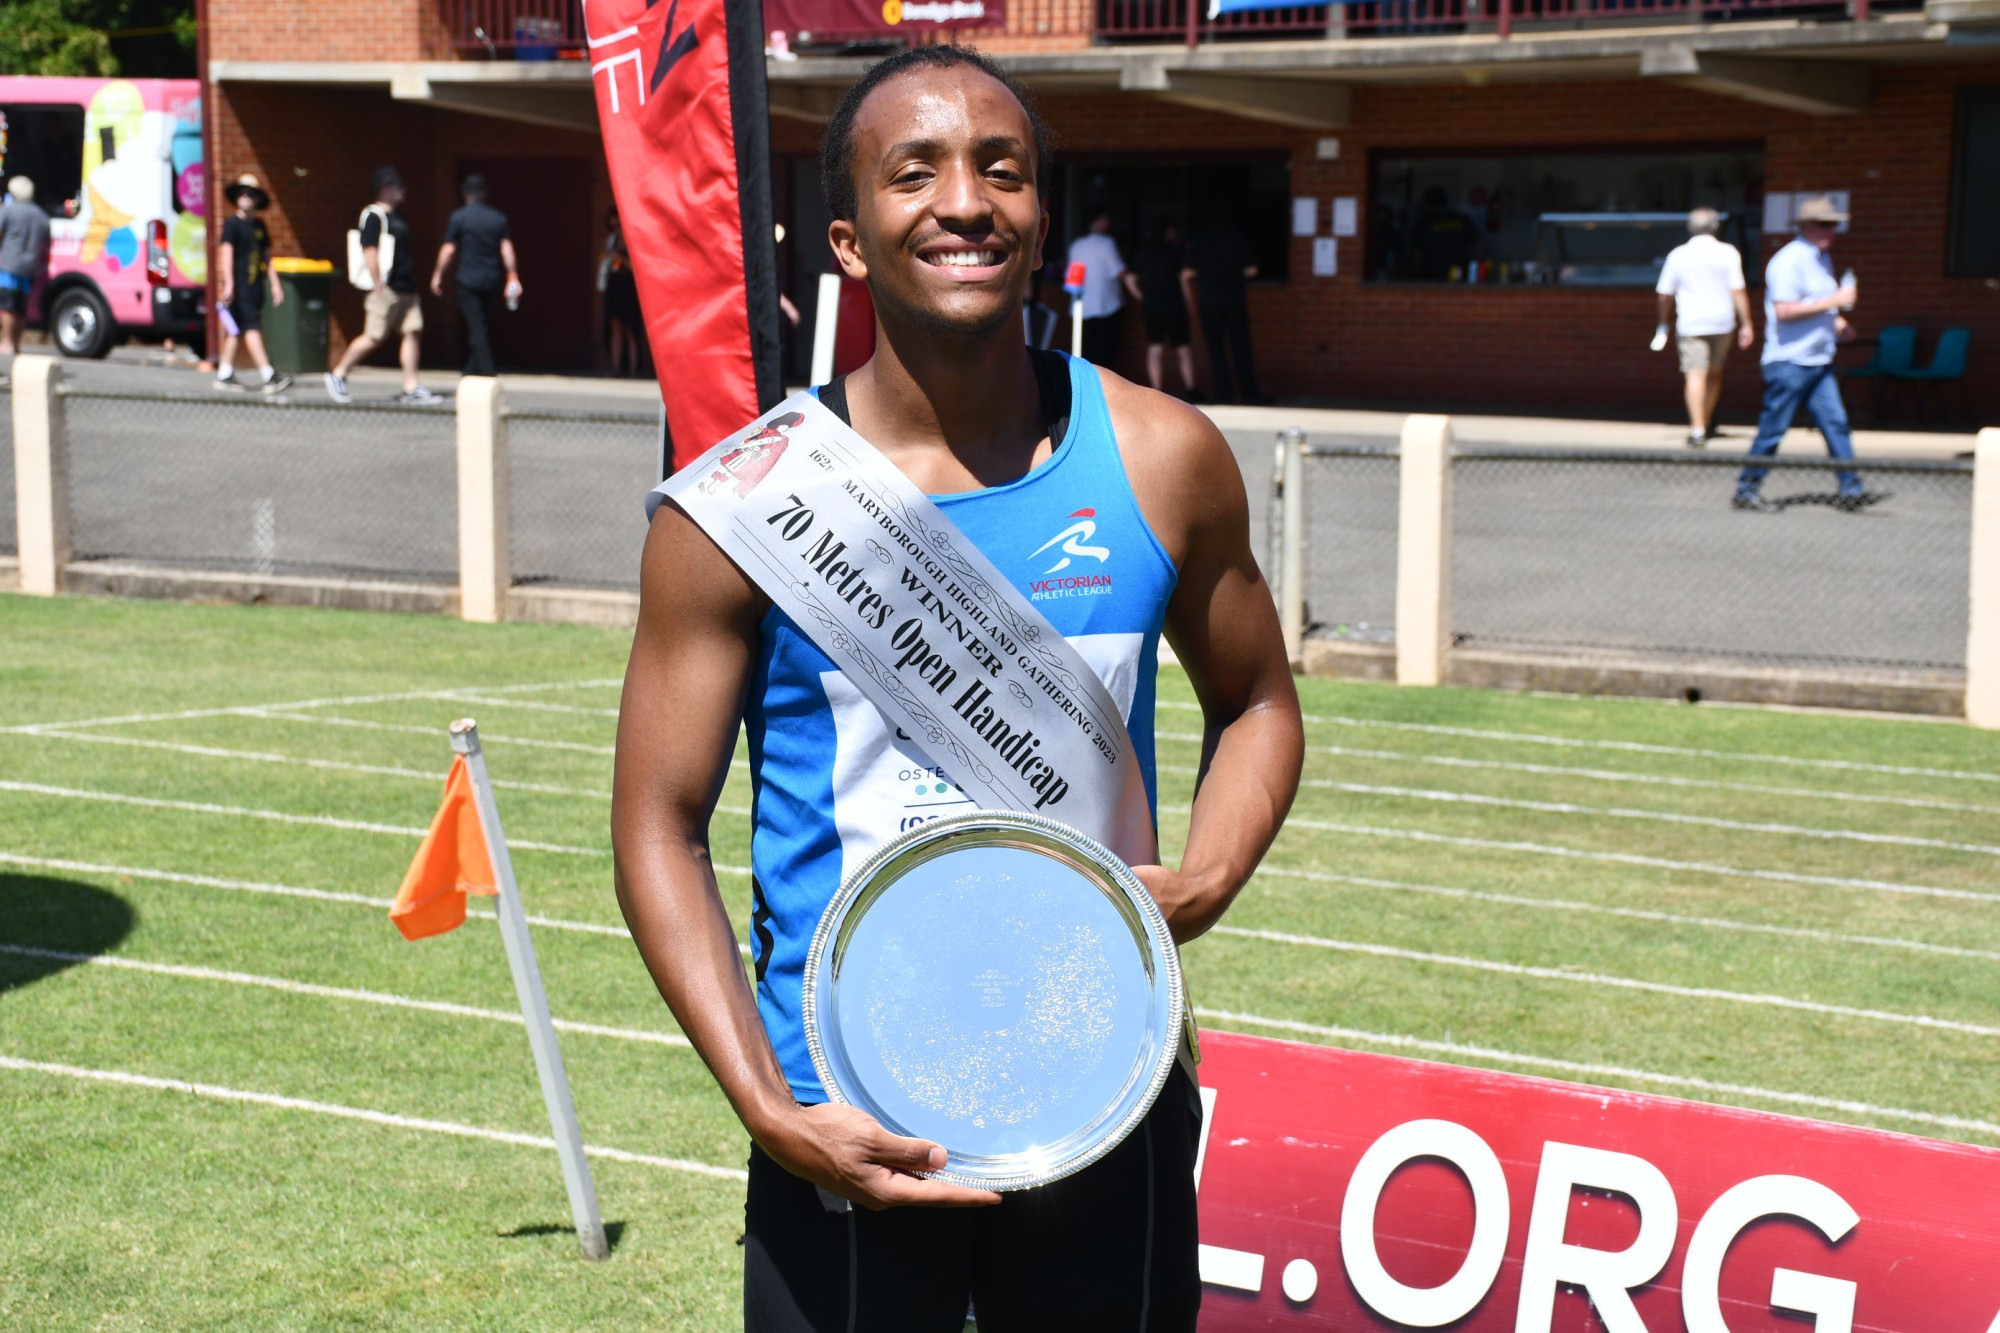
point(48, 925)
point(612, 1232)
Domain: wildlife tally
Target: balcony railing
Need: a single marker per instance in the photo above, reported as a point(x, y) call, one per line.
point(553, 29)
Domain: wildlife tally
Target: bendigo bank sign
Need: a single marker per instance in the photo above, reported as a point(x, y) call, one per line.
point(1361, 1192)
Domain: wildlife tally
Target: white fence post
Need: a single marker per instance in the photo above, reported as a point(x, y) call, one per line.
point(41, 474)
point(1982, 639)
point(826, 328)
point(485, 571)
point(1423, 552)
point(1291, 559)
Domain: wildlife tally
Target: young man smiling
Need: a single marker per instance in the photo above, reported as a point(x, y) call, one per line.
point(932, 169)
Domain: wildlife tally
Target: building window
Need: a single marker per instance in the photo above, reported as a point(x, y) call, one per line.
point(1975, 186)
point(45, 144)
point(1244, 194)
point(1587, 218)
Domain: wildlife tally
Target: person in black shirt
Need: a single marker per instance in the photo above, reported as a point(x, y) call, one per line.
point(477, 234)
point(1155, 278)
point(1219, 261)
point(243, 265)
point(392, 307)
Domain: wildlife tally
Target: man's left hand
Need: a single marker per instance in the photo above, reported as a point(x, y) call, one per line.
point(1190, 905)
point(1842, 330)
point(1745, 336)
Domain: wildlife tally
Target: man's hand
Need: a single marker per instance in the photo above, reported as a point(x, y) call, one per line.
point(844, 1151)
point(1745, 336)
point(437, 284)
point(1843, 299)
point(225, 292)
point(1842, 330)
point(277, 293)
point(1189, 905)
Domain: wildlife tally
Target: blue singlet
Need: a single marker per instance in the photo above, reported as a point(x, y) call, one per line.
point(831, 783)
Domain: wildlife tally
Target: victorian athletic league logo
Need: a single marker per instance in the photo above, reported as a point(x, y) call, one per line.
point(1066, 578)
point(749, 462)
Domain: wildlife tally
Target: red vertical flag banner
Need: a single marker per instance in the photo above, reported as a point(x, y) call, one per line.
point(681, 97)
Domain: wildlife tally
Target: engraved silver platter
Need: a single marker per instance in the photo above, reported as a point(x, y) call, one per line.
point(1002, 985)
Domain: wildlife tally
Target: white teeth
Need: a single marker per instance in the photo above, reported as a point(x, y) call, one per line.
point(965, 258)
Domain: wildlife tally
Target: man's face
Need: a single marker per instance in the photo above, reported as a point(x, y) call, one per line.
point(392, 194)
point(1819, 233)
point(949, 224)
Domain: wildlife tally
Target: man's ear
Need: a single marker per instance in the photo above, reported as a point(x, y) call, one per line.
point(846, 243)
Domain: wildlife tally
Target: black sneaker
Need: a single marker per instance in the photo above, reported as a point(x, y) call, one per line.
point(1856, 501)
point(276, 384)
point(1697, 440)
point(1755, 503)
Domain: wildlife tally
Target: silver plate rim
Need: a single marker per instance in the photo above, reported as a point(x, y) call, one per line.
point(1120, 875)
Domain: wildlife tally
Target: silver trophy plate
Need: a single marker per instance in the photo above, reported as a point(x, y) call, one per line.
point(1002, 985)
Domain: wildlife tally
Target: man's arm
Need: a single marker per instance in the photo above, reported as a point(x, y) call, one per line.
point(225, 273)
point(445, 253)
point(691, 664)
point(507, 258)
point(1223, 626)
point(1746, 329)
point(1131, 283)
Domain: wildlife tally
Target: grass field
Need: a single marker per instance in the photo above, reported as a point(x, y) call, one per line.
point(203, 813)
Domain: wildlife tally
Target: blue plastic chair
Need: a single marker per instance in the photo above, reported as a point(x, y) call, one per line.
point(1895, 356)
point(1947, 367)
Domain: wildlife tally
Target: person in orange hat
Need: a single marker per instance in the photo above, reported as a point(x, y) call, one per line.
point(243, 266)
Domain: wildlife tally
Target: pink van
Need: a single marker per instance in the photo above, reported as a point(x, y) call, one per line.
point(117, 165)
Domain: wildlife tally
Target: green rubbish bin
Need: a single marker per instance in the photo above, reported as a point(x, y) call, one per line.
point(295, 332)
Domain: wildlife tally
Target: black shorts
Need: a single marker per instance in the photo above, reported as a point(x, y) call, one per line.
point(247, 311)
point(1166, 322)
point(1111, 1248)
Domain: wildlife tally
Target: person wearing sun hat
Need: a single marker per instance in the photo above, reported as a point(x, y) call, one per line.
point(243, 266)
point(1803, 324)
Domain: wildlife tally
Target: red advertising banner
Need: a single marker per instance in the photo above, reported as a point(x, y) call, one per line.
point(1349, 1191)
point(890, 17)
point(681, 98)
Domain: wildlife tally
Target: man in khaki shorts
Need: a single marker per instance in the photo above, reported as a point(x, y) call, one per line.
point(392, 309)
point(1701, 294)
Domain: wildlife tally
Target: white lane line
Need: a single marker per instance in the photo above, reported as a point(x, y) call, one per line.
point(306, 761)
point(1661, 816)
point(215, 1093)
point(1631, 913)
point(412, 729)
point(1637, 747)
point(1633, 859)
point(486, 700)
point(1617, 983)
point(187, 714)
point(1578, 1068)
point(280, 816)
point(192, 973)
point(1615, 775)
point(295, 891)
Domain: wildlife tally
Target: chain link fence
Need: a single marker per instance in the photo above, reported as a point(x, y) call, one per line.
point(1350, 541)
point(1645, 554)
point(577, 483)
point(10, 537)
point(240, 484)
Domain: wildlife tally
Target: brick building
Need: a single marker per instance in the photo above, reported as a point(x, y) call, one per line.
point(1552, 127)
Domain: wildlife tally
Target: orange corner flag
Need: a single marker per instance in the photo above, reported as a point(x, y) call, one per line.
point(451, 863)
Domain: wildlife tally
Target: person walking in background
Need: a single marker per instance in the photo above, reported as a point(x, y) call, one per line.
point(1103, 267)
point(24, 255)
point(242, 267)
point(623, 324)
point(392, 309)
point(1155, 280)
point(1701, 295)
point(1219, 264)
point(1802, 324)
point(478, 237)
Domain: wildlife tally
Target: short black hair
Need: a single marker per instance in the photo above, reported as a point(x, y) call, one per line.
point(836, 153)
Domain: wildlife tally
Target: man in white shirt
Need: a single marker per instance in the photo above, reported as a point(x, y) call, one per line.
point(1701, 291)
point(1802, 324)
point(1103, 266)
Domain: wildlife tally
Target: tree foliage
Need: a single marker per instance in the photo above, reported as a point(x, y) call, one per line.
point(42, 37)
point(135, 38)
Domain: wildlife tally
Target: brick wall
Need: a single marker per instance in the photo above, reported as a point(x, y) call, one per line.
point(315, 148)
point(326, 30)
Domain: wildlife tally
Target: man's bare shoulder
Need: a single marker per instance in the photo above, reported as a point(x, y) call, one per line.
point(1180, 466)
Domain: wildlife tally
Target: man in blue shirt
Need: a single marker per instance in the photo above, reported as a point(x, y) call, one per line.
point(1802, 324)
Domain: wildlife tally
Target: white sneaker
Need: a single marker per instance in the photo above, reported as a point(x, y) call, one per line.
point(418, 397)
point(336, 387)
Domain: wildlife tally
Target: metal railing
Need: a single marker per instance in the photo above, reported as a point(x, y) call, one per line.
point(553, 29)
point(10, 537)
point(1580, 554)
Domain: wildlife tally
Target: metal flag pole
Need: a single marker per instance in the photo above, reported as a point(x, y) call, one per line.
point(534, 1003)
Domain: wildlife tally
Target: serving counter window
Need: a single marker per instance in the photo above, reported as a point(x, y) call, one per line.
point(1597, 218)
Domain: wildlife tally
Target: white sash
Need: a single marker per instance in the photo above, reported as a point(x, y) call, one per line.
point(919, 620)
